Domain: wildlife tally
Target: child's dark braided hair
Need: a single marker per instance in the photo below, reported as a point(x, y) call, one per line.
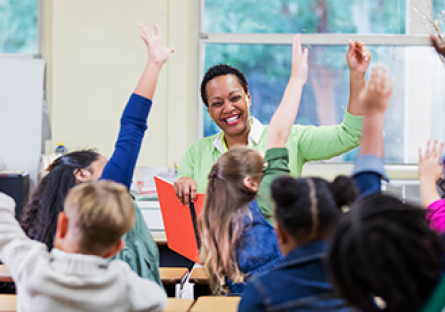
point(384, 247)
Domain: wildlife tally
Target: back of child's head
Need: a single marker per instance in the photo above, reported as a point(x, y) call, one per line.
point(226, 204)
point(306, 208)
point(102, 212)
point(39, 217)
point(385, 248)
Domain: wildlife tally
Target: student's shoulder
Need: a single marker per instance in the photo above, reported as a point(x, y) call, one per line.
point(124, 271)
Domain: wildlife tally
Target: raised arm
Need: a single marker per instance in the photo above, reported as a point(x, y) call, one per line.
point(430, 170)
point(284, 117)
point(276, 161)
point(15, 246)
point(134, 119)
point(369, 166)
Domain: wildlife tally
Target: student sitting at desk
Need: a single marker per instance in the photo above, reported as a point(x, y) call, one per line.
point(75, 275)
point(305, 211)
point(237, 241)
point(39, 218)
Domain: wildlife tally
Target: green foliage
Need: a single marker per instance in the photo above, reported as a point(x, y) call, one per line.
point(18, 26)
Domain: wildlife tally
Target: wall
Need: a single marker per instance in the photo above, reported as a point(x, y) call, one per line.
point(96, 57)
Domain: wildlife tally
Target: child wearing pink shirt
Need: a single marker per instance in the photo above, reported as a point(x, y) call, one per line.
point(430, 171)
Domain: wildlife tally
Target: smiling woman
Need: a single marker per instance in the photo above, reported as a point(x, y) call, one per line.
point(225, 92)
point(225, 84)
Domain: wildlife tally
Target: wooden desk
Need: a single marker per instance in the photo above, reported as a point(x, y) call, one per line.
point(178, 305)
point(216, 304)
point(7, 303)
point(199, 276)
point(5, 276)
point(171, 276)
point(159, 238)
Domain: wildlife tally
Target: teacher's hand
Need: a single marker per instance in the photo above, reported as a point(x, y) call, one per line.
point(186, 190)
point(358, 57)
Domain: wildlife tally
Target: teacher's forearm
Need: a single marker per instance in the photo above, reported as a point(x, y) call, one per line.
point(357, 84)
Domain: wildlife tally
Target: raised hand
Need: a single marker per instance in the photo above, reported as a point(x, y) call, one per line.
point(429, 163)
point(299, 61)
point(157, 52)
point(375, 96)
point(358, 57)
point(430, 171)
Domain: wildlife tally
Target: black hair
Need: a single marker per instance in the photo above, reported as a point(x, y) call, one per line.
point(385, 248)
point(306, 208)
point(39, 217)
point(221, 70)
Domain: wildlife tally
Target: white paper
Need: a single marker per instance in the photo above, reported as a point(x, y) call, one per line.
point(21, 92)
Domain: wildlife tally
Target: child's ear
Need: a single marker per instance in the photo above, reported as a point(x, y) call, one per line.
point(251, 184)
point(62, 225)
point(115, 249)
point(82, 175)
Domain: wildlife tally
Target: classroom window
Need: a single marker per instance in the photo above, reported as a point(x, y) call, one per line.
point(303, 16)
point(19, 26)
point(256, 38)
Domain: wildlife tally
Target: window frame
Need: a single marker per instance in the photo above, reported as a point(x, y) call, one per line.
point(417, 36)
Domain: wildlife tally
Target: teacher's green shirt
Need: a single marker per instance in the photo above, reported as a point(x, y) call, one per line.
point(305, 143)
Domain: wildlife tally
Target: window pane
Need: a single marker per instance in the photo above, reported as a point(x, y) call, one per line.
point(303, 16)
point(416, 112)
point(18, 26)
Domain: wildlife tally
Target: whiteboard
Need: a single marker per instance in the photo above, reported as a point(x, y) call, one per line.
point(21, 96)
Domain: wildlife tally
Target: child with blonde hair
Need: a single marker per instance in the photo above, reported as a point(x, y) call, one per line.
point(76, 275)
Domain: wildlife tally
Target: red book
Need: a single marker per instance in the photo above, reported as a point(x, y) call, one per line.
point(180, 221)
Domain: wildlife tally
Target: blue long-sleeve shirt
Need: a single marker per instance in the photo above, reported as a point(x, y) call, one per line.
point(121, 165)
point(140, 251)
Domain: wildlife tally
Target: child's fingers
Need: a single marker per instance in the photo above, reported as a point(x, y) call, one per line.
point(440, 150)
point(305, 54)
point(373, 75)
point(296, 46)
point(428, 148)
point(390, 87)
point(384, 77)
point(146, 30)
point(144, 38)
point(158, 31)
point(420, 155)
point(434, 149)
